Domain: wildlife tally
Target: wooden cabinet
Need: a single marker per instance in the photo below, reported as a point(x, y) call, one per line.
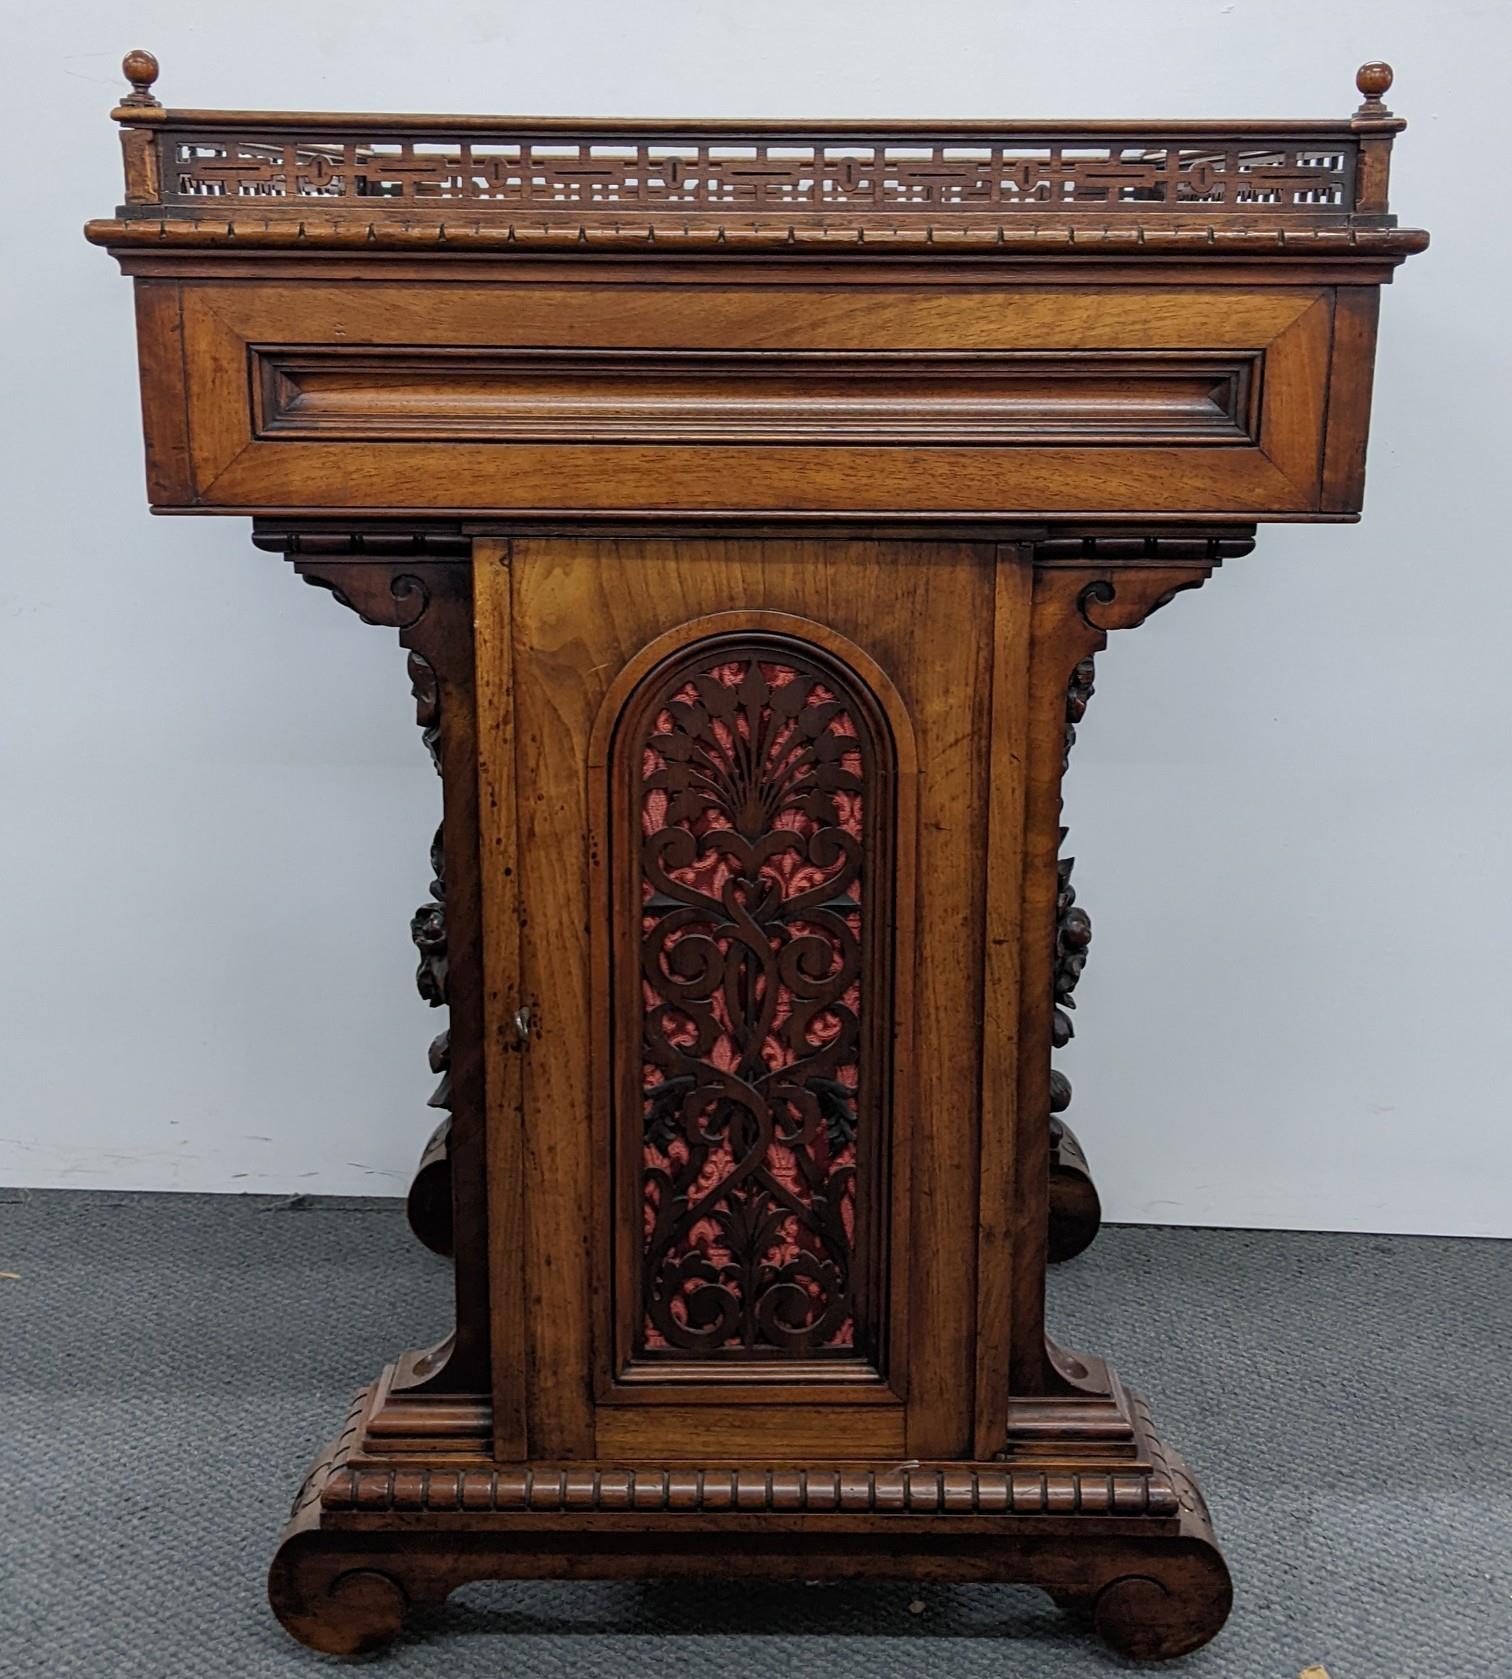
point(752, 501)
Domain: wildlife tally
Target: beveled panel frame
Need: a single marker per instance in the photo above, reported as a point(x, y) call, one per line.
point(888, 844)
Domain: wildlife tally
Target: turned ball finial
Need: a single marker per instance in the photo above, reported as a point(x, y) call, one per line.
point(141, 70)
point(1374, 82)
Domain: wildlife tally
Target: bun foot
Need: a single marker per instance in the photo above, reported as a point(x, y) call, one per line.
point(329, 1604)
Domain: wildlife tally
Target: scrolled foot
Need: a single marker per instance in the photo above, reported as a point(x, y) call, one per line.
point(1171, 1610)
point(334, 1603)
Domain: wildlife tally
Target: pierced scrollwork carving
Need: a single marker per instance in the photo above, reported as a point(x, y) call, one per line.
point(748, 768)
point(613, 168)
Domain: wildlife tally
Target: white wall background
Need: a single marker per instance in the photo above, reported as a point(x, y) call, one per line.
point(1290, 802)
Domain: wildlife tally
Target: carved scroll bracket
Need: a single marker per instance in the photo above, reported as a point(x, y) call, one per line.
point(1093, 586)
point(376, 594)
point(420, 585)
point(1087, 583)
point(1111, 583)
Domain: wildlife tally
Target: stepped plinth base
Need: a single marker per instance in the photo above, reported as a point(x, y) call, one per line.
point(1117, 1530)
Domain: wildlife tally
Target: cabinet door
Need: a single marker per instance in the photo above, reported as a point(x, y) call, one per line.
point(750, 818)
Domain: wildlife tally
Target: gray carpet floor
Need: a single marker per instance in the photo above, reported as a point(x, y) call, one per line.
point(169, 1364)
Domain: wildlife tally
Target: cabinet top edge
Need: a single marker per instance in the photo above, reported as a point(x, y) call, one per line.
point(246, 231)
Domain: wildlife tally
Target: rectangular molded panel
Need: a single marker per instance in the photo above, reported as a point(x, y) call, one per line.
point(767, 397)
point(406, 393)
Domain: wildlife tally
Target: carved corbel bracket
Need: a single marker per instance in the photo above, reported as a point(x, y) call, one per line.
point(402, 580)
point(420, 584)
point(1087, 584)
point(377, 594)
point(1114, 582)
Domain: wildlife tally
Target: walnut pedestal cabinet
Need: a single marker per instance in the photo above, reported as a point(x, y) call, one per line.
point(752, 500)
